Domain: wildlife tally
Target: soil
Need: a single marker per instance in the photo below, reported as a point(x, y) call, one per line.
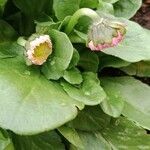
point(143, 15)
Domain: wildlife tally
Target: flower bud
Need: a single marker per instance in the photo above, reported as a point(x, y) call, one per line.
point(105, 34)
point(38, 49)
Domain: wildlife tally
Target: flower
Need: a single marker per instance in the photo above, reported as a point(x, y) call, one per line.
point(105, 34)
point(38, 49)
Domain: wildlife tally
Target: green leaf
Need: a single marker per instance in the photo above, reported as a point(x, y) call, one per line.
point(110, 1)
point(113, 105)
point(111, 61)
point(135, 46)
point(7, 33)
point(44, 141)
point(88, 60)
point(141, 69)
point(90, 92)
point(105, 7)
point(89, 4)
point(62, 54)
point(5, 141)
point(73, 76)
point(90, 119)
point(127, 8)
point(33, 104)
point(32, 8)
point(75, 59)
point(2, 4)
point(65, 8)
point(71, 135)
point(9, 49)
point(123, 134)
point(135, 95)
point(92, 141)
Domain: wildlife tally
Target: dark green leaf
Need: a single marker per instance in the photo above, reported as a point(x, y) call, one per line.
point(90, 119)
point(88, 60)
point(89, 3)
point(7, 33)
point(5, 141)
point(65, 8)
point(141, 69)
point(44, 141)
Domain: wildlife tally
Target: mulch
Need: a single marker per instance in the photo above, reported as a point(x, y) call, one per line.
point(143, 15)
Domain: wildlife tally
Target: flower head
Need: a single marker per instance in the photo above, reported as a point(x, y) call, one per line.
point(38, 49)
point(105, 34)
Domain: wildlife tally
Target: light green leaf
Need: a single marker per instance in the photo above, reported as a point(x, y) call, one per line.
point(135, 46)
point(62, 54)
point(92, 141)
point(123, 134)
point(73, 76)
point(90, 119)
point(141, 69)
point(90, 92)
point(105, 7)
point(65, 8)
point(135, 95)
point(5, 141)
point(127, 8)
point(71, 135)
point(44, 141)
point(30, 103)
point(111, 105)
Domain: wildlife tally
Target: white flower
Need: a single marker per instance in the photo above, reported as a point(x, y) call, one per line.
point(39, 49)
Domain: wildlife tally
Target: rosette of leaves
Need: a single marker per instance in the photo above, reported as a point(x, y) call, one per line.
point(51, 98)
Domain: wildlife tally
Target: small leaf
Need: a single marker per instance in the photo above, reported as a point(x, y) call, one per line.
point(61, 57)
point(73, 76)
point(127, 8)
point(71, 135)
point(90, 92)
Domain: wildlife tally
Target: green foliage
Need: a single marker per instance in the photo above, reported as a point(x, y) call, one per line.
point(127, 8)
point(79, 99)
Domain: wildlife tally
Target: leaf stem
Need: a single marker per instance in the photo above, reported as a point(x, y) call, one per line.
point(21, 41)
point(78, 14)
